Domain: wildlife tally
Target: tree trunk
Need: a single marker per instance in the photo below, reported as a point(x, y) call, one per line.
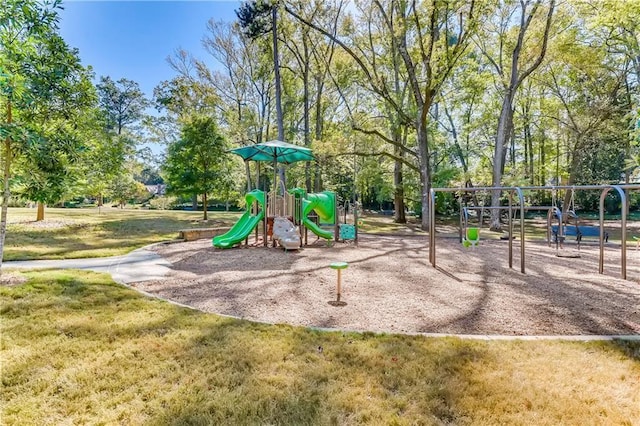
point(528, 143)
point(247, 169)
point(505, 123)
point(398, 194)
point(543, 160)
point(6, 193)
point(276, 69)
point(502, 140)
point(425, 172)
point(307, 110)
point(317, 177)
point(204, 207)
point(398, 180)
point(512, 149)
point(40, 212)
point(317, 181)
point(194, 202)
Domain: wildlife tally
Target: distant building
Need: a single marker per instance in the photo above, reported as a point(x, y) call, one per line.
point(159, 189)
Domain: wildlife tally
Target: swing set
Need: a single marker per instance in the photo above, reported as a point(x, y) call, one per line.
point(469, 235)
point(564, 228)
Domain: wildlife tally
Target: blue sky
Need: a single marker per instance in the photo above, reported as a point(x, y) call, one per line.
point(132, 39)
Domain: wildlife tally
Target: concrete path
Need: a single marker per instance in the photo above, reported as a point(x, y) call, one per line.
point(139, 265)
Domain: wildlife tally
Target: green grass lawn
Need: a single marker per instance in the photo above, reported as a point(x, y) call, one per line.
point(77, 233)
point(77, 348)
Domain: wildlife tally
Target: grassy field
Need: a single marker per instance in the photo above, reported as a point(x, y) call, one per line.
point(77, 233)
point(79, 349)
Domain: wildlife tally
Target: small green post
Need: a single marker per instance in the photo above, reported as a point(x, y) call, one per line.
point(339, 266)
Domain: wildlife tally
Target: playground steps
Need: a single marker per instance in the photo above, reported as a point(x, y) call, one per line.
point(200, 233)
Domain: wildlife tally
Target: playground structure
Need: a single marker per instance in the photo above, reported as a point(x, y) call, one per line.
point(287, 219)
point(286, 216)
point(247, 222)
point(518, 193)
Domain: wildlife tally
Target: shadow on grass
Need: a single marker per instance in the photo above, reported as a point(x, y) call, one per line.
point(237, 372)
point(127, 357)
point(99, 239)
point(100, 235)
point(284, 375)
point(66, 290)
point(630, 349)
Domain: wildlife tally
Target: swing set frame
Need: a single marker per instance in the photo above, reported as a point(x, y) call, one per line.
point(518, 192)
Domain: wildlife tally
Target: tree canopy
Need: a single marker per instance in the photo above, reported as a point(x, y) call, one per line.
point(198, 162)
point(393, 96)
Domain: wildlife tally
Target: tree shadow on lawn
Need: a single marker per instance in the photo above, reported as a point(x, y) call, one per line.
point(102, 236)
point(287, 375)
point(629, 348)
point(194, 368)
point(158, 225)
point(76, 289)
point(67, 245)
point(226, 371)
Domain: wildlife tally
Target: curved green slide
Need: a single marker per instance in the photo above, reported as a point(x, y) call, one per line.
point(247, 222)
point(324, 203)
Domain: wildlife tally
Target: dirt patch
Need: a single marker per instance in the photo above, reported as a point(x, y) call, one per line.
point(12, 279)
point(390, 286)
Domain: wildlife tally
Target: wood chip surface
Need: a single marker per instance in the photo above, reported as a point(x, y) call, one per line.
point(390, 286)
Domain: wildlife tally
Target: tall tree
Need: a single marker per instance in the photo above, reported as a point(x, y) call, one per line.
point(244, 84)
point(589, 90)
point(616, 24)
point(311, 57)
point(198, 162)
point(430, 37)
point(513, 70)
point(37, 69)
point(123, 103)
point(259, 17)
point(123, 107)
point(67, 99)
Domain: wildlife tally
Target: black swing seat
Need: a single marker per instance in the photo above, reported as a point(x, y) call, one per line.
point(579, 232)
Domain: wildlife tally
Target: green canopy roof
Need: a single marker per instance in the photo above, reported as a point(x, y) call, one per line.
point(275, 151)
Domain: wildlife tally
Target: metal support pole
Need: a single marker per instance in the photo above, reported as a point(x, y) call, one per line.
point(510, 224)
point(623, 231)
point(463, 222)
point(603, 195)
point(432, 227)
point(522, 242)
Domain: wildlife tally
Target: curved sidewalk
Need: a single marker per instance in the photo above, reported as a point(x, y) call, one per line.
point(139, 265)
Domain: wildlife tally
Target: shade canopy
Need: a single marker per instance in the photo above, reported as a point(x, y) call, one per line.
point(275, 151)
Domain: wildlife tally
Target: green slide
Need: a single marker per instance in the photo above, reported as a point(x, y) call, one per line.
point(247, 222)
point(324, 204)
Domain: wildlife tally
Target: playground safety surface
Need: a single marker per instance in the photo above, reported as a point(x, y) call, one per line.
point(390, 286)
